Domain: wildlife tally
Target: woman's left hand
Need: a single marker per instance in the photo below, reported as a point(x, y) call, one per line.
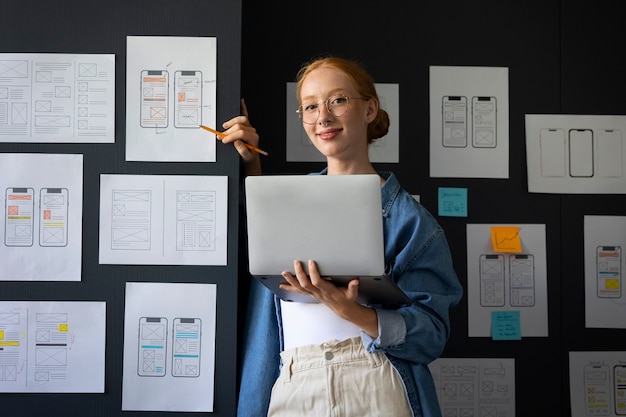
point(322, 289)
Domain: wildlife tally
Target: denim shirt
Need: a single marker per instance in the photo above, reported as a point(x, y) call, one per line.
point(418, 258)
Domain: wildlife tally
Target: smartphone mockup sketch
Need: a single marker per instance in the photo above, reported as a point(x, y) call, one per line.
point(19, 217)
point(188, 99)
point(609, 271)
point(552, 152)
point(619, 381)
point(581, 153)
point(609, 156)
point(186, 347)
point(597, 390)
point(53, 208)
point(454, 115)
point(491, 280)
point(152, 346)
point(484, 122)
point(154, 98)
point(522, 283)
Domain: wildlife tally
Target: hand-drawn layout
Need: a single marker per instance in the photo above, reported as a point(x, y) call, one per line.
point(20, 216)
point(475, 387)
point(169, 353)
point(520, 275)
point(484, 116)
point(152, 346)
point(179, 220)
point(186, 347)
point(52, 346)
point(170, 92)
point(576, 154)
point(130, 219)
point(57, 98)
point(195, 220)
point(188, 99)
point(53, 209)
point(597, 383)
point(154, 98)
point(605, 299)
point(501, 281)
point(454, 119)
point(609, 271)
point(40, 226)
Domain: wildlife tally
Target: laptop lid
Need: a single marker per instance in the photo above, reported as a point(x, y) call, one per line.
point(335, 220)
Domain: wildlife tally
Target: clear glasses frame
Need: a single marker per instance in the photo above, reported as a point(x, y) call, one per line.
point(337, 105)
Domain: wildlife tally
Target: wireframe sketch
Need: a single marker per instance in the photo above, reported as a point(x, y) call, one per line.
point(581, 153)
point(53, 209)
point(188, 99)
point(152, 352)
point(52, 343)
point(609, 271)
point(610, 151)
point(454, 116)
point(13, 359)
point(131, 219)
point(19, 216)
point(154, 98)
point(597, 390)
point(475, 387)
point(186, 347)
point(491, 280)
point(619, 382)
point(522, 284)
point(552, 144)
point(195, 220)
point(484, 115)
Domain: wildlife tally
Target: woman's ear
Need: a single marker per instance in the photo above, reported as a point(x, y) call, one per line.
point(372, 109)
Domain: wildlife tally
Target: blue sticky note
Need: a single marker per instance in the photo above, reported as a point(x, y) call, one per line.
point(505, 325)
point(453, 202)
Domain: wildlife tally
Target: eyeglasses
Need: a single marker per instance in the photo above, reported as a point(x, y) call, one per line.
point(336, 105)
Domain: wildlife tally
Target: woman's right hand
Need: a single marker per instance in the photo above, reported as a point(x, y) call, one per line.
point(239, 130)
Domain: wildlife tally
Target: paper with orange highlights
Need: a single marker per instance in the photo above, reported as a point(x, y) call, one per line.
point(506, 239)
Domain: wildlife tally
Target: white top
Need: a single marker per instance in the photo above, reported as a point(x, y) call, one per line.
point(313, 323)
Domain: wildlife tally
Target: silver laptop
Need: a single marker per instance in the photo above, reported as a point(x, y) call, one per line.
point(335, 220)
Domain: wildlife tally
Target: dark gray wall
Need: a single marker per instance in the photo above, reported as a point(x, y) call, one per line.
point(88, 26)
point(562, 57)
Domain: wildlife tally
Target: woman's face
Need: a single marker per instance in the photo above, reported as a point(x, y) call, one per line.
point(345, 136)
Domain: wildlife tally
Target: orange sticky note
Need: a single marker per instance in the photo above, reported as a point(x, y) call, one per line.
point(506, 239)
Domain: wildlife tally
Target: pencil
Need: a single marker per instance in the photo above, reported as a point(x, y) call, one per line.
point(221, 135)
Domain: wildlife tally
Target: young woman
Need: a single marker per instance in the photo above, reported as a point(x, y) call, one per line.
point(338, 357)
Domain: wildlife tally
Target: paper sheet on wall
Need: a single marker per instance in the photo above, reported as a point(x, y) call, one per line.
point(163, 219)
point(42, 217)
point(475, 387)
point(469, 122)
point(597, 383)
point(605, 298)
point(169, 347)
point(576, 154)
point(506, 281)
point(170, 91)
point(57, 98)
point(52, 346)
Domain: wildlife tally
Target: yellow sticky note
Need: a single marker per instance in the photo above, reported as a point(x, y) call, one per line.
point(63, 327)
point(506, 239)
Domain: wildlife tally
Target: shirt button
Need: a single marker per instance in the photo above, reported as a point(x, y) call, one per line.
point(328, 355)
